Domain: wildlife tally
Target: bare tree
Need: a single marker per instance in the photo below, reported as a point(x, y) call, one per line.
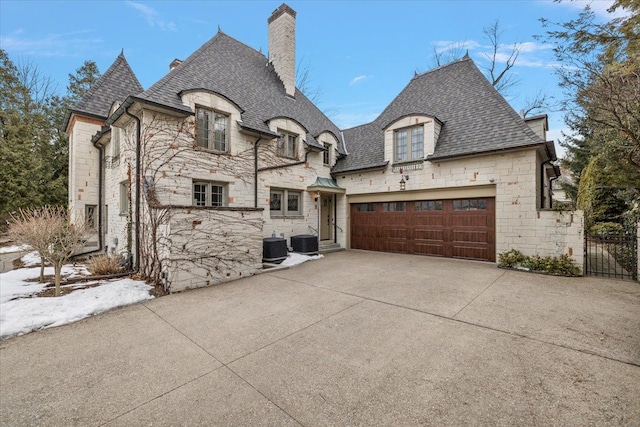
point(539, 102)
point(59, 239)
point(499, 75)
point(26, 226)
point(443, 55)
point(304, 81)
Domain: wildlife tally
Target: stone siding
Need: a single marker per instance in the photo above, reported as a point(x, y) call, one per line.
point(203, 247)
point(510, 177)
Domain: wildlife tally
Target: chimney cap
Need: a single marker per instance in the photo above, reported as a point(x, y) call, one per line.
point(175, 63)
point(284, 8)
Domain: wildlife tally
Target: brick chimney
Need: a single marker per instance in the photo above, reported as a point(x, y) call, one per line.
point(282, 46)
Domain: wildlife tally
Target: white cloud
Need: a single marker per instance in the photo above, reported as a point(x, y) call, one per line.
point(350, 119)
point(599, 7)
point(56, 44)
point(527, 47)
point(152, 17)
point(442, 46)
point(358, 79)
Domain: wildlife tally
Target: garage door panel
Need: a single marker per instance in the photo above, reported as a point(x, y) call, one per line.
point(470, 252)
point(424, 248)
point(471, 220)
point(428, 234)
point(396, 246)
point(431, 220)
point(463, 228)
point(462, 236)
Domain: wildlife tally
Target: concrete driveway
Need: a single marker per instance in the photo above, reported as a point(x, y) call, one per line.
point(357, 338)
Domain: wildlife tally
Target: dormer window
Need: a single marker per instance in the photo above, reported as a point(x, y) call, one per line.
point(408, 143)
point(211, 129)
point(326, 154)
point(287, 145)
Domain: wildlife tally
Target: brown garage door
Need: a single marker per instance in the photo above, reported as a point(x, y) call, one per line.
point(461, 228)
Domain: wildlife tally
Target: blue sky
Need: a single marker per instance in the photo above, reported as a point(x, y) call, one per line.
point(359, 54)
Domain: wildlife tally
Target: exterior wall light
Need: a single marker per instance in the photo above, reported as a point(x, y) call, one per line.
point(403, 180)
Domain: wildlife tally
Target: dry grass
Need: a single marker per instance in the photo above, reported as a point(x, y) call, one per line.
point(102, 265)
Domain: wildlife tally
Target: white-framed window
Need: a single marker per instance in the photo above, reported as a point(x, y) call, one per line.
point(210, 194)
point(124, 198)
point(288, 145)
point(326, 154)
point(408, 143)
point(91, 216)
point(212, 129)
point(285, 202)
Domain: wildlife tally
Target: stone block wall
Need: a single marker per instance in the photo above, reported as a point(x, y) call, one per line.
point(207, 246)
point(510, 177)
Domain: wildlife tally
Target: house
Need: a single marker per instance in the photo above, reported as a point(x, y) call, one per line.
point(191, 174)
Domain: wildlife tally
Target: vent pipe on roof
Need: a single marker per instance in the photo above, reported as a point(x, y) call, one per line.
point(174, 64)
point(282, 46)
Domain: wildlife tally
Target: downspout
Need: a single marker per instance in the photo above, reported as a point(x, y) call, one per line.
point(100, 196)
point(255, 172)
point(550, 186)
point(136, 264)
point(542, 181)
point(335, 222)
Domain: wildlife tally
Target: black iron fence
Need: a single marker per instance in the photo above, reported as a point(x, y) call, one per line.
point(612, 254)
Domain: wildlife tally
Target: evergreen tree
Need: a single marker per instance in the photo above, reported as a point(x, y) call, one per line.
point(34, 149)
point(601, 80)
point(20, 131)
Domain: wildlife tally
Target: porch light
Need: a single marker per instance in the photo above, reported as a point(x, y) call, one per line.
point(402, 184)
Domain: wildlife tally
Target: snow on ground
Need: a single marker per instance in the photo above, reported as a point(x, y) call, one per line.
point(22, 312)
point(295, 259)
point(14, 248)
point(31, 259)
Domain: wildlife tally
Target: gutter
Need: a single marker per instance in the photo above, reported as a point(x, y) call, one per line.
point(268, 168)
point(136, 265)
point(358, 170)
point(434, 158)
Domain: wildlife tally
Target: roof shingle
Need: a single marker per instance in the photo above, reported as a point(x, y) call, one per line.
point(243, 75)
point(115, 84)
point(475, 117)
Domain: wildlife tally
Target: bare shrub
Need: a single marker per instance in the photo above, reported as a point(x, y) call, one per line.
point(103, 265)
point(48, 230)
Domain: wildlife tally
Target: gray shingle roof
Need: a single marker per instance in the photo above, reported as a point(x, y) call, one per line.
point(243, 75)
point(475, 117)
point(115, 84)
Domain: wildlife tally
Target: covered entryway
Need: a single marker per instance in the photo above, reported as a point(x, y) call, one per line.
point(458, 228)
point(325, 192)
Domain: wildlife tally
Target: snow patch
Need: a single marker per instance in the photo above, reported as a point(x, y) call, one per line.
point(295, 258)
point(22, 312)
point(14, 248)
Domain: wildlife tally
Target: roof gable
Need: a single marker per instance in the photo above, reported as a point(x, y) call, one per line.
point(475, 117)
point(115, 84)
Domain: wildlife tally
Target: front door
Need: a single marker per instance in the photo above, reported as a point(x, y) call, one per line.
point(326, 217)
